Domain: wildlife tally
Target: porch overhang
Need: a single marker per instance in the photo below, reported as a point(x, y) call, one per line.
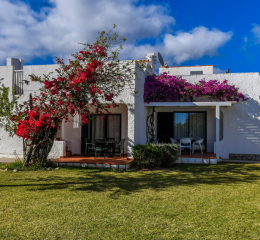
point(217, 106)
point(190, 104)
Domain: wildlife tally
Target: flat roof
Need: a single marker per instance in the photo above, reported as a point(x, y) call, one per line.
point(189, 104)
point(189, 66)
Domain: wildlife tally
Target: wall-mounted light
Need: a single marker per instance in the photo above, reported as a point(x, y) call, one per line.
point(25, 81)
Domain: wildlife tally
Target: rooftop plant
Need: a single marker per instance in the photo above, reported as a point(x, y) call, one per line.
point(166, 88)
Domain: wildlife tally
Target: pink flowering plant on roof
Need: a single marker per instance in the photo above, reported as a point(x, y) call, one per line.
point(166, 88)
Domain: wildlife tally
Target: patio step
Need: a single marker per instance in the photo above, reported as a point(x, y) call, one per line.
point(95, 165)
point(68, 152)
point(239, 161)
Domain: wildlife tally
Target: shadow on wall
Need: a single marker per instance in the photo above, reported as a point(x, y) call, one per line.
point(246, 120)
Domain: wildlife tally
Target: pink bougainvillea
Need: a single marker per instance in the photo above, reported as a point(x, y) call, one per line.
point(166, 88)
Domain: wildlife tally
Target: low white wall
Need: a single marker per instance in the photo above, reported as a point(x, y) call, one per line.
point(58, 150)
point(10, 146)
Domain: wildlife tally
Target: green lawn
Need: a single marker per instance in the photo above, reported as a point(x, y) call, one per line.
point(187, 202)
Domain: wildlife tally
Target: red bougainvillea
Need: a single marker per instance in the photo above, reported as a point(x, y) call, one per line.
point(86, 86)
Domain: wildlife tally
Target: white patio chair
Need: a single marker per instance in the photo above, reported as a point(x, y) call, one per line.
point(174, 140)
point(198, 143)
point(185, 143)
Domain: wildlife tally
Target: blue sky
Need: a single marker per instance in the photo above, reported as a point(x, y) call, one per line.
point(225, 34)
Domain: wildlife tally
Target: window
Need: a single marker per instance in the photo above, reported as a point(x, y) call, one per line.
point(196, 72)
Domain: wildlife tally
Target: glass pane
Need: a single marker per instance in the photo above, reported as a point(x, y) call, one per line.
point(98, 129)
point(197, 126)
point(113, 127)
point(181, 125)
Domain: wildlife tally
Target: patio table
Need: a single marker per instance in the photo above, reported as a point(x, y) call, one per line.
point(107, 143)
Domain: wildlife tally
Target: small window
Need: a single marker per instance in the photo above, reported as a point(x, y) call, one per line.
point(196, 72)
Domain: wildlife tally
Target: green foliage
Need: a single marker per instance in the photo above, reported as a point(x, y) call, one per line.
point(17, 164)
point(155, 155)
point(44, 164)
point(170, 154)
point(8, 108)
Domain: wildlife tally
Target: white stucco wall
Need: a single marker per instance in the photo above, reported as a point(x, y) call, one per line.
point(241, 122)
point(185, 70)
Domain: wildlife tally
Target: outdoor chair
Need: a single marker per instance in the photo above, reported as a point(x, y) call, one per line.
point(197, 144)
point(185, 143)
point(100, 147)
point(88, 146)
point(174, 140)
point(120, 146)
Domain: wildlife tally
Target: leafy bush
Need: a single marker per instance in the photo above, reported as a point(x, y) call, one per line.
point(44, 164)
point(170, 154)
point(17, 164)
point(155, 155)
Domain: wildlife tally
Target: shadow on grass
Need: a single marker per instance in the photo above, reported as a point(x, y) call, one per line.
point(124, 183)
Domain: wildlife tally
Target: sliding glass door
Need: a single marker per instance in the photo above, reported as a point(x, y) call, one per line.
point(108, 127)
point(179, 125)
point(197, 126)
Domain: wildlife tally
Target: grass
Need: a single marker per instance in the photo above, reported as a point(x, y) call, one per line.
point(187, 202)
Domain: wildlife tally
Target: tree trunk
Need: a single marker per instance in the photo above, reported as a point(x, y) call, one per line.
point(39, 148)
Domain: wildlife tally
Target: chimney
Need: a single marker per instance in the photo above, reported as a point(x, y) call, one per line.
point(17, 63)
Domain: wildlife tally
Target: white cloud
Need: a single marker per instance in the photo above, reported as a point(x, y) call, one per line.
point(57, 30)
point(256, 32)
point(195, 44)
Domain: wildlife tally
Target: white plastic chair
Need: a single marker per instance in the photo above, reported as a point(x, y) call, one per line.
point(198, 143)
point(174, 140)
point(185, 143)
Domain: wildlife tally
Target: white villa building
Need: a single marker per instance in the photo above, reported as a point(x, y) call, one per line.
point(230, 129)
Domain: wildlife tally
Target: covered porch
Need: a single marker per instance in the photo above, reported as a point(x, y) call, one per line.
point(114, 127)
point(195, 120)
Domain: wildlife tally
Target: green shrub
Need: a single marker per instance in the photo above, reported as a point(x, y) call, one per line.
point(147, 155)
point(155, 155)
point(170, 154)
point(35, 166)
point(17, 164)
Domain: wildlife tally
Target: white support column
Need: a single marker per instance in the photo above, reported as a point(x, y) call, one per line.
point(217, 131)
